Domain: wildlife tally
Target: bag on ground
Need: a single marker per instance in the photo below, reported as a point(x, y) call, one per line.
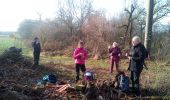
point(50, 78)
point(123, 82)
point(88, 76)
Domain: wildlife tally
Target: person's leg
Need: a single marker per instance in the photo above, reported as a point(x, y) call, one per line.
point(136, 80)
point(132, 80)
point(38, 57)
point(117, 65)
point(111, 67)
point(83, 69)
point(77, 71)
point(35, 58)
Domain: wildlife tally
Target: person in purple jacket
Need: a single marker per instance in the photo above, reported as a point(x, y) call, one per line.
point(80, 55)
point(114, 54)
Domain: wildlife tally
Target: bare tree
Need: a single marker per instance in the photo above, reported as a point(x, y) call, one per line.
point(73, 13)
point(129, 26)
point(94, 29)
point(161, 9)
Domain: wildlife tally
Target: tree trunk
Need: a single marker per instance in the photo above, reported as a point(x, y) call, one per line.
point(130, 33)
point(148, 28)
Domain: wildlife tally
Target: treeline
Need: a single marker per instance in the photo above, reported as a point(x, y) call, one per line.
point(80, 21)
point(6, 33)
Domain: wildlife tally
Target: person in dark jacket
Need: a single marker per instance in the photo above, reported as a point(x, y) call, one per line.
point(114, 54)
point(136, 57)
point(37, 49)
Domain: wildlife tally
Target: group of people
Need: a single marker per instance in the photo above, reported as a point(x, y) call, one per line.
point(136, 58)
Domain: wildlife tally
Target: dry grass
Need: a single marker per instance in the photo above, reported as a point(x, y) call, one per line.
point(154, 81)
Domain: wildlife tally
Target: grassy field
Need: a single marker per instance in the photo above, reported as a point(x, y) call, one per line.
point(155, 80)
point(6, 42)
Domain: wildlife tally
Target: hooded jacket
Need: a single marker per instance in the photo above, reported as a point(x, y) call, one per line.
point(80, 55)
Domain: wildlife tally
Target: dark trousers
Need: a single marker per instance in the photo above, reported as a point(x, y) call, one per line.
point(78, 68)
point(135, 76)
point(36, 58)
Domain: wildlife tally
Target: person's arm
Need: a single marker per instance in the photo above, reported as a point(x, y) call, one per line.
point(33, 43)
point(40, 47)
point(129, 56)
point(75, 54)
point(110, 50)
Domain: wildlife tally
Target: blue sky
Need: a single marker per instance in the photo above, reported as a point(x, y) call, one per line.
point(12, 12)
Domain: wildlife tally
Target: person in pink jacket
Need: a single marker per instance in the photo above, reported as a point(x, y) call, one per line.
point(80, 55)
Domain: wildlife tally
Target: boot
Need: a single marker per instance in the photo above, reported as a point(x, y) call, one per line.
point(137, 90)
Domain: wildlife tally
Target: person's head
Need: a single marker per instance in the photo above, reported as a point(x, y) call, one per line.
point(115, 44)
point(80, 44)
point(36, 39)
point(136, 40)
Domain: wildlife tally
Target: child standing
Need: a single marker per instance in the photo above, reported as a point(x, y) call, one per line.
point(114, 54)
point(80, 55)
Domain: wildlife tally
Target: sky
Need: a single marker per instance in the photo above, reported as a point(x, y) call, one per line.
point(13, 12)
point(111, 7)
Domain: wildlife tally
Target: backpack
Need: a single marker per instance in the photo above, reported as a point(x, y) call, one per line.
point(146, 54)
point(50, 78)
point(88, 76)
point(123, 82)
point(145, 51)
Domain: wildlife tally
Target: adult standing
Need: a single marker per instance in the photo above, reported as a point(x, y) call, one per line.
point(37, 49)
point(136, 56)
point(114, 53)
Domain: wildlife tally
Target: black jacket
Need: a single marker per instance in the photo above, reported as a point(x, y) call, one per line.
point(36, 46)
point(138, 54)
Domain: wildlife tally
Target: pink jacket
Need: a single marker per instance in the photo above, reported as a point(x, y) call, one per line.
point(80, 55)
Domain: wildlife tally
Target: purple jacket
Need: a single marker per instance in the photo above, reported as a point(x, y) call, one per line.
point(80, 55)
point(114, 52)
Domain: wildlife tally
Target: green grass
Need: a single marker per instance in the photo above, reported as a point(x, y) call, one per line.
point(70, 61)
point(6, 42)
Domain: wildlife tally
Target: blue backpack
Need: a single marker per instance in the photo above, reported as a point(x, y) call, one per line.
point(123, 82)
point(50, 78)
